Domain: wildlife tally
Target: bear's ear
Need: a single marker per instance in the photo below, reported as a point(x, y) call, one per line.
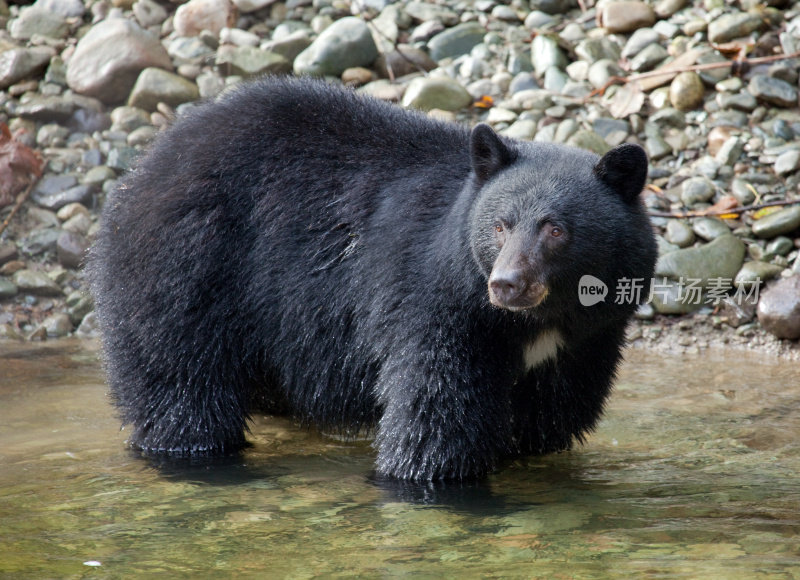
point(488, 152)
point(624, 168)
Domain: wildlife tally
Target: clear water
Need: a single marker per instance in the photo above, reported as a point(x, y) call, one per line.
point(693, 474)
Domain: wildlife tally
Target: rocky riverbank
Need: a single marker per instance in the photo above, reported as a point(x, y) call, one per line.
point(85, 85)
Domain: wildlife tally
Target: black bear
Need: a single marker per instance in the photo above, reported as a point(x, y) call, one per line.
point(297, 245)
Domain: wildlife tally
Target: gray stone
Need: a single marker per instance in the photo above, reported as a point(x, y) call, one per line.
point(427, 93)
point(127, 118)
point(679, 233)
point(195, 16)
point(521, 129)
point(686, 91)
point(773, 91)
point(779, 308)
point(600, 72)
point(290, 46)
point(189, 50)
point(344, 44)
point(122, 158)
point(385, 29)
point(36, 20)
point(89, 327)
point(78, 224)
point(649, 58)
point(210, 84)
point(538, 19)
point(425, 31)
point(545, 52)
point(742, 101)
point(403, 61)
point(755, 272)
point(783, 130)
point(625, 16)
point(37, 283)
point(155, 85)
point(19, 64)
point(109, 58)
point(780, 246)
point(787, 162)
point(500, 115)
point(566, 129)
point(555, 79)
point(734, 25)
point(57, 325)
point(238, 37)
point(710, 228)
point(141, 136)
point(79, 305)
point(46, 109)
point(149, 13)
point(713, 76)
point(247, 6)
point(456, 41)
point(668, 117)
point(427, 11)
point(289, 27)
point(523, 81)
point(783, 221)
point(7, 288)
point(639, 40)
point(730, 151)
point(248, 61)
point(39, 241)
point(58, 199)
point(720, 258)
point(590, 141)
point(552, 6)
point(505, 13)
point(593, 49)
point(741, 190)
point(671, 297)
point(696, 190)
point(71, 249)
point(44, 217)
point(65, 8)
point(8, 252)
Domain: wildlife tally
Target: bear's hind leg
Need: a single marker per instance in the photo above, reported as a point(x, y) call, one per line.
point(189, 403)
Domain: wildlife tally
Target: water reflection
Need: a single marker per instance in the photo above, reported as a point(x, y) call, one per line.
point(693, 473)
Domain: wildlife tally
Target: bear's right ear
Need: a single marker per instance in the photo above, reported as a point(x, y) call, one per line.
point(624, 168)
point(488, 152)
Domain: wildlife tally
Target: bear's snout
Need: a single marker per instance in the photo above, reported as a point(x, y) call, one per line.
point(509, 289)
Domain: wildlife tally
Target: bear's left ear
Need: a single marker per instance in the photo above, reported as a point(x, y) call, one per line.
point(624, 168)
point(488, 152)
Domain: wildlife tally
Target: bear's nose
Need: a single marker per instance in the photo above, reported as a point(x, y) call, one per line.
point(506, 286)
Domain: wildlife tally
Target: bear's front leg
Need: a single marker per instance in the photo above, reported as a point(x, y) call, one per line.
point(561, 400)
point(444, 417)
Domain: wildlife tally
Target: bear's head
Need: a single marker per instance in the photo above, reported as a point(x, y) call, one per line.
point(545, 215)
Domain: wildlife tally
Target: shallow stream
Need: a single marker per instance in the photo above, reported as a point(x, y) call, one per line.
point(694, 473)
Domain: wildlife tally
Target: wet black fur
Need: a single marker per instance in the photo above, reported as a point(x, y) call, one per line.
point(298, 245)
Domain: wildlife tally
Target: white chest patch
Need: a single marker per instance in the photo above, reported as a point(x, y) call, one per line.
point(543, 348)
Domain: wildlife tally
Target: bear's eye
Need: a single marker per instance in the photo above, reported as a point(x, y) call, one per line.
point(499, 228)
point(556, 232)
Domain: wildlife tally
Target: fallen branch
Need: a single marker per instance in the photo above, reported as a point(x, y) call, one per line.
point(735, 210)
point(20, 200)
point(738, 66)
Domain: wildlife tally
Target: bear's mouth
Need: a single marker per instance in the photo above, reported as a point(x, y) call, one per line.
point(531, 297)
